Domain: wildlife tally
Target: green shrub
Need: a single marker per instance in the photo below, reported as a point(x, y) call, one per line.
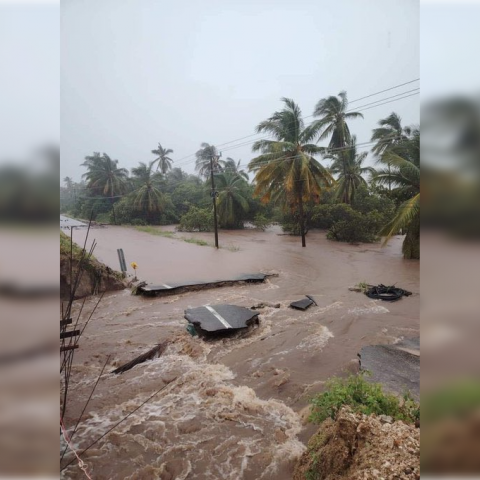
point(261, 222)
point(363, 397)
point(358, 228)
point(103, 218)
point(196, 220)
point(324, 216)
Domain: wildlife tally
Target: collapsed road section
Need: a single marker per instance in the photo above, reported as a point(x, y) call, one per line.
point(395, 366)
point(222, 319)
point(162, 289)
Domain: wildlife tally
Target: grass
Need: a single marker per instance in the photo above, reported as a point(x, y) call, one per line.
point(197, 241)
point(363, 397)
point(363, 286)
point(155, 231)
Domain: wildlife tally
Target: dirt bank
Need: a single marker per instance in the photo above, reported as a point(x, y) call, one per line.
point(96, 277)
point(359, 447)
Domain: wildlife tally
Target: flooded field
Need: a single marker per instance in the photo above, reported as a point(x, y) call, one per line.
point(232, 408)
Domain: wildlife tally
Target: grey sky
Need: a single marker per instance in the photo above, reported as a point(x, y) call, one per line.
point(138, 72)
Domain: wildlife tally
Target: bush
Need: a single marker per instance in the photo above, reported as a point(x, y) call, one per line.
point(196, 220)
point(324, 216)
point(261, 222)
point(358, 228)
point(363, 397)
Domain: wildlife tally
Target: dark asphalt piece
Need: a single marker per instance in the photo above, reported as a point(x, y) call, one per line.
point(302, 304)
point(176, 287)
point(221, 318)
point(397, 366)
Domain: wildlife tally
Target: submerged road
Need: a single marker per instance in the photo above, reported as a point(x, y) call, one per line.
point(234, 406)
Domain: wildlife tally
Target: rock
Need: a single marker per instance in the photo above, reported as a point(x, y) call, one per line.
point(385, 419)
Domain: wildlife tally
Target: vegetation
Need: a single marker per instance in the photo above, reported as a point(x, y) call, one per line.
point(196, 220)
point(403, 172)
point(352, 201)
point(163, 161)
point(363, 397)
point(286, 171)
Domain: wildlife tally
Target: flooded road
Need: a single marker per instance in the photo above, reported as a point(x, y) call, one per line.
point(231, 408)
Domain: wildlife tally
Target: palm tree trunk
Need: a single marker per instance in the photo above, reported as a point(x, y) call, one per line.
point(411, 244)
point(302, 220)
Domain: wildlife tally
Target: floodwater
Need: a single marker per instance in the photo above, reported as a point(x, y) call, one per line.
point(233, 408)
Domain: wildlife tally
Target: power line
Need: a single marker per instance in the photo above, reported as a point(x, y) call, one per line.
point(179, 162)
point(361, 108)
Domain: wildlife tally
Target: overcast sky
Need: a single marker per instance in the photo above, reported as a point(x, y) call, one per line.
point(138, 72)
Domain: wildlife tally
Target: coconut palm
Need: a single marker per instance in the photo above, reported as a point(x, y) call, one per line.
point(104, 177)
point(232, 199)
point(234, 167)
point(403, 173)
point(348, 165)
point(333, 121)
point(286, 170)
point(147, 196)
point(389, 133)
point(207, 153)
point(68, 183)
point(163, 161)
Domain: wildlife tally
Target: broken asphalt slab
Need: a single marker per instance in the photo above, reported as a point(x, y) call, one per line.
point(221, 318)
point(395, 366)
point(304, 303)
point(179, 287)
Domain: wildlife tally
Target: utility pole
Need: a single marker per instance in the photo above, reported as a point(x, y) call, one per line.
point(214, 198)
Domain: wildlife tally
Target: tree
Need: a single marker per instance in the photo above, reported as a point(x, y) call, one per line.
point(147, 197)
point(204, 156)
point(403, 172)
point(103, 176)
point(234, 167)
point(333, 121)
point(286, 170)
point(68, 183)
point(348, 164)
point(232, 199)
point(163, 161)
point(389, 134)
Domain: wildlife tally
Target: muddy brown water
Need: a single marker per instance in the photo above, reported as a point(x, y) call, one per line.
point(231, 408)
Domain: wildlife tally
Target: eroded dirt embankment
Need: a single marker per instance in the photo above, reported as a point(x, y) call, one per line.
point(94, 276)
point(358, 447)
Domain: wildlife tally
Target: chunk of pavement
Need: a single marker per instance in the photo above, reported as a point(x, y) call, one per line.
point(151, 354)
point(302, 304)
point(221, 318)
point(395, 366)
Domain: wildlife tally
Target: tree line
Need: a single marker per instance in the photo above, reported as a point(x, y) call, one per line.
point(291, 184)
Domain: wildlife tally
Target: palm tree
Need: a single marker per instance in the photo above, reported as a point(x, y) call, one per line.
point(104, 177)
point(286, 170)
point(164, 162)
point(234, 167)
point(232, 198)
point(333, 121)
point(348, 164)
point(403, 160)
point(147, 197)
point(206, 153)
point(389, 133)
point(68, 183)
